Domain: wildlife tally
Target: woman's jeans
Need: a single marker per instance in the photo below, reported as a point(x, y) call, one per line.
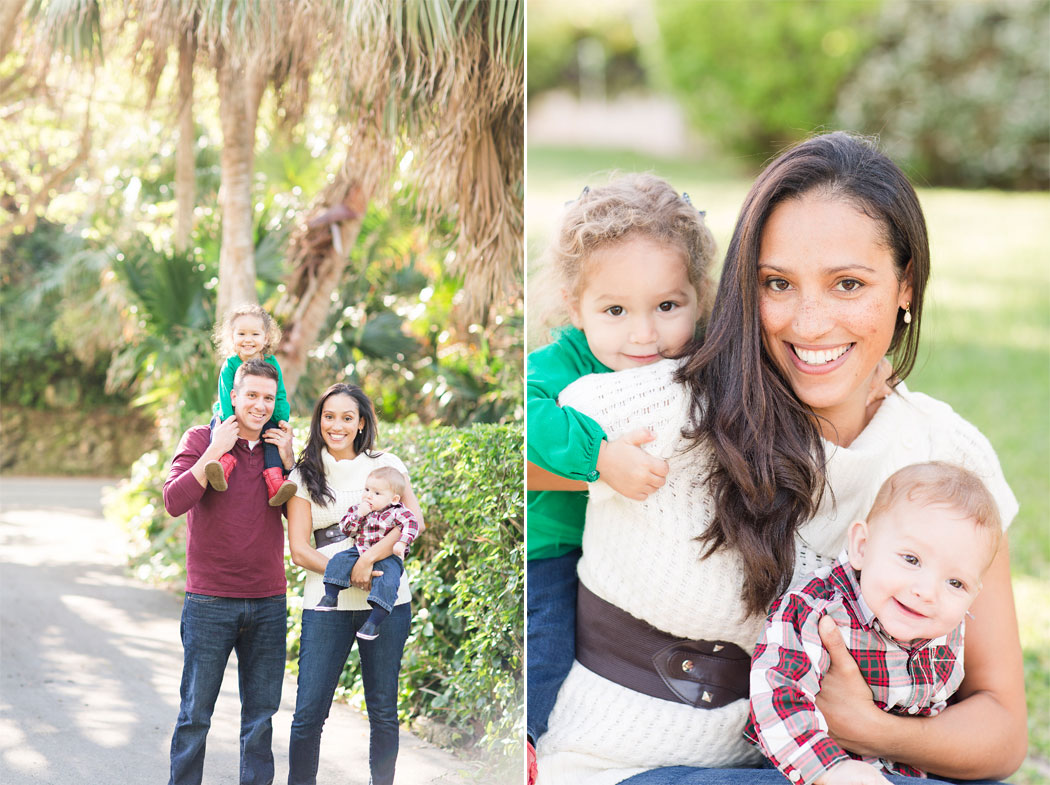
point(689, 775)
point(211, 628)
point(327, 638)
point(550, 627)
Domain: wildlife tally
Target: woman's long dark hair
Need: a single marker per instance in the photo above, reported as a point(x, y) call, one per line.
point(767, 472)
point(310, 465)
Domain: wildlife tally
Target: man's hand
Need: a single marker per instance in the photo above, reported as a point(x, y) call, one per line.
point(845, 699)
point(628, 469)
point(852, 772)
point(281, 436)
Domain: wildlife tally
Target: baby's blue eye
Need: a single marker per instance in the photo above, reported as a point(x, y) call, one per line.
point(910, 559)
point(955, 583)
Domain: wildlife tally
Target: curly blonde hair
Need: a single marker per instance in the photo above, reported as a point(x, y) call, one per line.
point(223, 335)
point(629, 205)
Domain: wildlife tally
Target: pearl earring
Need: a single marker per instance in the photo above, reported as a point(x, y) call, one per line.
point(907, 313)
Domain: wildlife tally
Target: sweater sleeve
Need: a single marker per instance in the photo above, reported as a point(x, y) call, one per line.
point(559, 439)
point(226, 375)
point(409, 525)
point(784, 720)
point(281, 409)
point(182, 490)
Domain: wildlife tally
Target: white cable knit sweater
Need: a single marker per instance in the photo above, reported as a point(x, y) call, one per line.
point(599, 732)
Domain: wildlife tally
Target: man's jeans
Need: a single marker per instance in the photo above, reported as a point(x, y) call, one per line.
point(211, 628)
point(325, 644)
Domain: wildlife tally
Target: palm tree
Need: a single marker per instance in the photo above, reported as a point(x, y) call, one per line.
point(444, 79)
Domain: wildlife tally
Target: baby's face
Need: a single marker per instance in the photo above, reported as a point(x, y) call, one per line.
point(378, 495)
point(920, 567)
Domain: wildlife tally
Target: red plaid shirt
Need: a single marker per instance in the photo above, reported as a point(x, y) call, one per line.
point(790, 660)
point(369, 529)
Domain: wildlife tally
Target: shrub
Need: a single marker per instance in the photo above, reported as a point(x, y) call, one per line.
point(463, 661)
point(958, 92)
point(758, 75)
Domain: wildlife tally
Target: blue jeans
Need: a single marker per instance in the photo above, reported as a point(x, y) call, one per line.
point(550, 628)
point(211, 628)
point(689, 775)
point(323, 648)
point(384, 587)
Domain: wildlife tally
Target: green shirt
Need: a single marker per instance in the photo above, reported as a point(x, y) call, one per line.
point(560, 440)
point(222, 407)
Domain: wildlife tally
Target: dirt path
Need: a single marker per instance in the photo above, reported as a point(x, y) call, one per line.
point(90, 662)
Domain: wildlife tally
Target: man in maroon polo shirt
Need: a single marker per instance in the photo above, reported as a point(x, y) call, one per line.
point(235, 584)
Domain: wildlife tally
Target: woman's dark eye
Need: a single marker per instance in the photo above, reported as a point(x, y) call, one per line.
point(850, 285)
point(777, 284)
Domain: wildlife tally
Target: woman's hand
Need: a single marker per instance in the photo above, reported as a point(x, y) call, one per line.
point(537, 479)
point(845, 699)
point(362, 574)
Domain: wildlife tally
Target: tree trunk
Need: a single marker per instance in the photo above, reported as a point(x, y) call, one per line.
point(186, 150)
point(318, 252)
point(240, 90)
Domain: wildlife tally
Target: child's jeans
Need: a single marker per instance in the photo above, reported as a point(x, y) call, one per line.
point(550, 628)
point(271, 455)
point(384, 587)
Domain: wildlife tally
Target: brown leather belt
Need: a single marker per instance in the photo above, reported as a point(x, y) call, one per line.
point(628, 651)
point(328, 535)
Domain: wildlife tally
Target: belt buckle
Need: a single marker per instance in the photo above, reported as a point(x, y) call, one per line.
point(698, 677)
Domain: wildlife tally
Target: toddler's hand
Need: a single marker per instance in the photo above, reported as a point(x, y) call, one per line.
point(363, 509)
point(630, 470)
point(399, 550)
point(852, 772)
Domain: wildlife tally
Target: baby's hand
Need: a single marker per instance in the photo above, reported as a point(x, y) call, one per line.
point(363, 509)
point(630, 470)
point(399, 550)
point(852, 772)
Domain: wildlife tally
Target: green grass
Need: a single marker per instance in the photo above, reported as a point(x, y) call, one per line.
point(985, 348)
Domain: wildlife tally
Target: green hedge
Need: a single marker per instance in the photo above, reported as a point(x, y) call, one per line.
point(463, 661)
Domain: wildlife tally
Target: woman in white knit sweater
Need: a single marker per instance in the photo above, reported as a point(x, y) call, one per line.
point(773, 451)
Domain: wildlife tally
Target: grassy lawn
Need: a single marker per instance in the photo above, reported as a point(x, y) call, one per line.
point(986, 347)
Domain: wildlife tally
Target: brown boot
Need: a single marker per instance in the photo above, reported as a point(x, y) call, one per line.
point(281, 490)
point(218, 472)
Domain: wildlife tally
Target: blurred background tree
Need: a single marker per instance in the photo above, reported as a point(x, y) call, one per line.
point(356, 168)
point(936, 80)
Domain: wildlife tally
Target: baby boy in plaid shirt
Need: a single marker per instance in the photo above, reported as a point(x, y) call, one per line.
point(899, 594)
point(380, 511)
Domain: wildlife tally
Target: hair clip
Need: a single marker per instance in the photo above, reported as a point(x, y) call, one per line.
point(688, 201)
point(586, 190)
